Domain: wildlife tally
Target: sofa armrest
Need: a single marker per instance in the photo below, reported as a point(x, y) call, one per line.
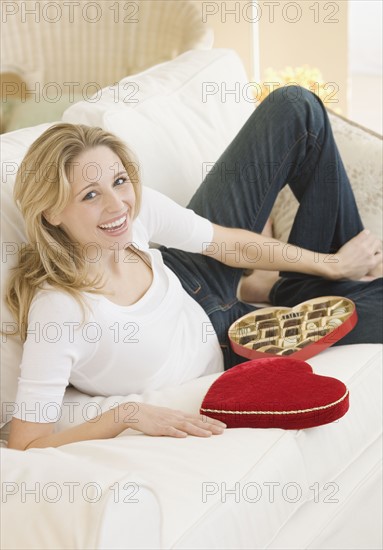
point(361, 152)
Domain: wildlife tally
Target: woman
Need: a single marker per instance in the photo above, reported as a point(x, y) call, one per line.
point(126, 317)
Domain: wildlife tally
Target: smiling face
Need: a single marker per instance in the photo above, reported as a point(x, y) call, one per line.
point(101, 208)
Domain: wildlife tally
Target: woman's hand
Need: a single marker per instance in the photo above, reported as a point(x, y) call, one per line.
point(152, 420)
point(148, 419)
point(358, 257)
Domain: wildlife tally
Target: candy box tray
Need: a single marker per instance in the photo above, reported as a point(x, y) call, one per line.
point(300, 332)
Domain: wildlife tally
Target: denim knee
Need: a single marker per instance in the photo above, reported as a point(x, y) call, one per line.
point(292, 93)
point(295, 96)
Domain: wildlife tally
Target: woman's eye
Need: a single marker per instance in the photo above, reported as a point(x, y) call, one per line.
point(89, 195)
point(121, 180)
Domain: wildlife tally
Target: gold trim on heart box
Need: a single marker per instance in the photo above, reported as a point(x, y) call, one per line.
point(299, 411)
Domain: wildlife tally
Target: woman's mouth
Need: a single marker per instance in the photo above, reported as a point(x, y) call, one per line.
point(115, 228)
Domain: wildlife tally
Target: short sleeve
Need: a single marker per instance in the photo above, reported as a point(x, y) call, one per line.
point(52, 347)
point(169, 224)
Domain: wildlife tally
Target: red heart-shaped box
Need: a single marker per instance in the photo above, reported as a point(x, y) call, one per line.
point(299, 332)
point(276, 392)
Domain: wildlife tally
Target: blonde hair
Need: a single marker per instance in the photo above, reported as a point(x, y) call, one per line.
point(42, 186)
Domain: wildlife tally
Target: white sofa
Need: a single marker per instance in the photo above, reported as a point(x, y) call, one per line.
point(248, 488)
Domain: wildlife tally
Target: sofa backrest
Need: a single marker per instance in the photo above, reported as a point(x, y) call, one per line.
point(76, 46)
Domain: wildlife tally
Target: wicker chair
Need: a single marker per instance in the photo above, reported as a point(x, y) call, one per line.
point(52, 48)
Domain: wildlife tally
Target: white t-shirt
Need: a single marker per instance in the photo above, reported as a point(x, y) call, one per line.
point(165, 338)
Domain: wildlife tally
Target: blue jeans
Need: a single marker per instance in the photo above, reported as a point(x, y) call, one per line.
point(288, 138)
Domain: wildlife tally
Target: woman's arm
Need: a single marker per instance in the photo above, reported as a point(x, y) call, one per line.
point(142, 417)
point(248, 250)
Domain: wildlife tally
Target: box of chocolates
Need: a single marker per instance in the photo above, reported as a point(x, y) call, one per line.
point(299, 332)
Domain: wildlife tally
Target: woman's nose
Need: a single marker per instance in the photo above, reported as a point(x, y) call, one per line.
point(113, 201)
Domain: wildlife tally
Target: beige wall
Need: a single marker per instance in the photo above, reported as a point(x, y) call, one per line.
point(318, 37)
point(230, 31)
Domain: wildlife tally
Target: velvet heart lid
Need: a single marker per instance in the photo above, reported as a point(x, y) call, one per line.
point(299, 332)
point(277, 392)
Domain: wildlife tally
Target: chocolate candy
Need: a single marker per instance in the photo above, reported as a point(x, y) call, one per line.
point(285, 331)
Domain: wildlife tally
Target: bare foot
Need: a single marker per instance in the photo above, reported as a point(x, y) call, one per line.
point(376, 272)
point(256, 287)
point(256, 284)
